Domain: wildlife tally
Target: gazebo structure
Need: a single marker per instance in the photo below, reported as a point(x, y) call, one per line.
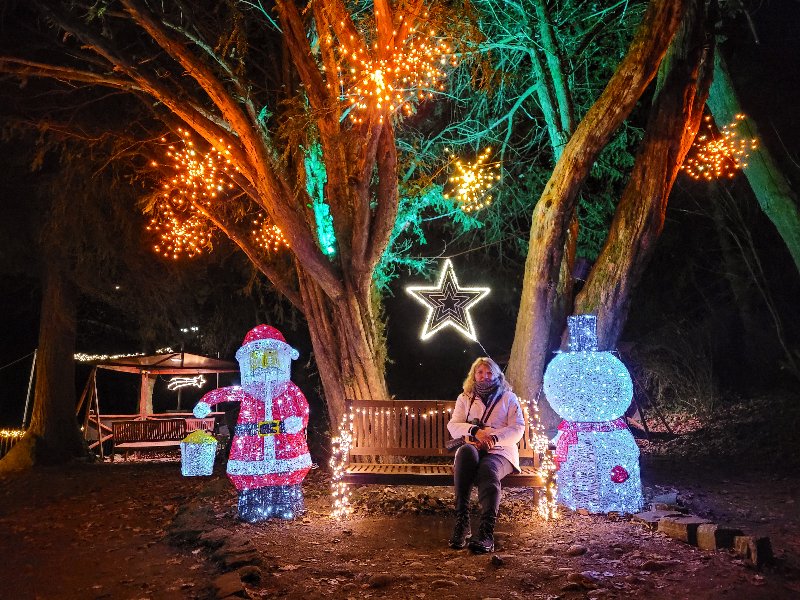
point(97, 426)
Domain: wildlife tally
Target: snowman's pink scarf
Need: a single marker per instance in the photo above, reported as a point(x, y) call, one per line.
point(569, 434)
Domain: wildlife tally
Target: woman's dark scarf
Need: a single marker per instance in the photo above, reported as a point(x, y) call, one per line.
point(488, 391)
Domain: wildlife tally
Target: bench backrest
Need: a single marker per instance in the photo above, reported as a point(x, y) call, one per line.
point(149, 431)
point(407, 428)
point(206, 424)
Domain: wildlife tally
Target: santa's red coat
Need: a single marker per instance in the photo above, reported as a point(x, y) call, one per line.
point(267, 460)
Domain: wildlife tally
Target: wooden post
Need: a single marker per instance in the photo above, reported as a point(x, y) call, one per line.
point(146, 394)
point(97, 417)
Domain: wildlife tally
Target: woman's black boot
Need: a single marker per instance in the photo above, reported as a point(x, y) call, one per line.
point(484, 541)
point(461, 531)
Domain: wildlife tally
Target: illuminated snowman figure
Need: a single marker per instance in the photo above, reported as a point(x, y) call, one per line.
point(597, 457)
point(269, 456)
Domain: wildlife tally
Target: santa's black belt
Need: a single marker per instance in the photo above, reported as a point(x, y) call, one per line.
point(263, 428)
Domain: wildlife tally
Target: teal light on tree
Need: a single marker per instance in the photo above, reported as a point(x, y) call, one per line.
point(316, 177)
point(597, 456)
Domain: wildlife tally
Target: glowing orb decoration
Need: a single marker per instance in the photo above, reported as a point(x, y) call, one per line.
point(180, 227)
point(471, 181)
point(200, 177)
point(598, 459)
point(448, 304)
point(269, 455)
point(717, 155)
point(198, 450)
point(199, 174)
point(268, 236)
point(177, 383)
point(410, 70)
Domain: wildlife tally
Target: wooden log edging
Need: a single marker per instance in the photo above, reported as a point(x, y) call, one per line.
point(691, 529)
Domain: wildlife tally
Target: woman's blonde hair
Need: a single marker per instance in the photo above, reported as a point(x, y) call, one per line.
point(497, 374)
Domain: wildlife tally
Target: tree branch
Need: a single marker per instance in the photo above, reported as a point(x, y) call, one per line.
point(255, 256)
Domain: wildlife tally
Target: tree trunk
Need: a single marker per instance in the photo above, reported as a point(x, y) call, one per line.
point(53, 436)
point(531, 349)
point(672, 125)
point(348, 349)
point(771, 188)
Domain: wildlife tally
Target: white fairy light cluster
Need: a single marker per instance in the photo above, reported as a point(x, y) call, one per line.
point(597, 455)
point(546, 505)
point(340, 449)
point(198, 450)
point(717, 155)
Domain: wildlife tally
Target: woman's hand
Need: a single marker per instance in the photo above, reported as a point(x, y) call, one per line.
point(485, 439)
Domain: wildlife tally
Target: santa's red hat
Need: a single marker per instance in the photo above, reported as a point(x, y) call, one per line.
point(263, 332)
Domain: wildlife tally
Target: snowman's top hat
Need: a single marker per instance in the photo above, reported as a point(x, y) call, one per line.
point(582, 333)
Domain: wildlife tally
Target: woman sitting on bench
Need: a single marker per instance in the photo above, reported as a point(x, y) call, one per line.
point(489, 418)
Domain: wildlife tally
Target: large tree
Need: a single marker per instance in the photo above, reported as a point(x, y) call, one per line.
point(264, 97)
point(539, 323)
point(69, 226)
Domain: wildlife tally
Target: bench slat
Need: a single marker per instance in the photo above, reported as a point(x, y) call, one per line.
point(410, 474)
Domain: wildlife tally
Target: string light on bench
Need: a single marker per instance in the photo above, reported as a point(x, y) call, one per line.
point(12, 433)
point(448, 304)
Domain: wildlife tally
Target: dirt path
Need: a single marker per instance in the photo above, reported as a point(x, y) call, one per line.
point(111, 531)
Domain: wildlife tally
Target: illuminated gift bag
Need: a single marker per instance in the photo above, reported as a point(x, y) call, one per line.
point(198, 450)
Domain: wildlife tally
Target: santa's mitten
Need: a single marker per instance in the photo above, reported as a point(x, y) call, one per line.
point(202, 410)
point(293, 424)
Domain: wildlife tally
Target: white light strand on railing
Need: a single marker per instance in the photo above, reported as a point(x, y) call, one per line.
point(12, 433)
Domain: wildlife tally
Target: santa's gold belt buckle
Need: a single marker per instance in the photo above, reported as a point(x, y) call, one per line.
point(266, 428)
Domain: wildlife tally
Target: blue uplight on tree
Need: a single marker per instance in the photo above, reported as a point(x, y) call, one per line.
point(597, 455)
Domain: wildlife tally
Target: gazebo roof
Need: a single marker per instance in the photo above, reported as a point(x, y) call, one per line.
point(175, 363)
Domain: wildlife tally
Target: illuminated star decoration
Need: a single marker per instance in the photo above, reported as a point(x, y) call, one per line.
point(177, 383)
point(448, 303)
point(472, 180)
point(718, 155)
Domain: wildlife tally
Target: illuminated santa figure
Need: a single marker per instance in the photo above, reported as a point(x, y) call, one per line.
point(597, 457)
point(269, 456)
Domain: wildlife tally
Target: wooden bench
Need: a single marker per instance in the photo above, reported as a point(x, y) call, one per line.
point(414, 431)
point(154, 435)
point(206, 424)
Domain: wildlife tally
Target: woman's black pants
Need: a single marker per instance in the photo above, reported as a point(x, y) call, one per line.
point(485, 470)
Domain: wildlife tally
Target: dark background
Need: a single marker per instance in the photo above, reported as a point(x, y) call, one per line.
point(683, 284)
